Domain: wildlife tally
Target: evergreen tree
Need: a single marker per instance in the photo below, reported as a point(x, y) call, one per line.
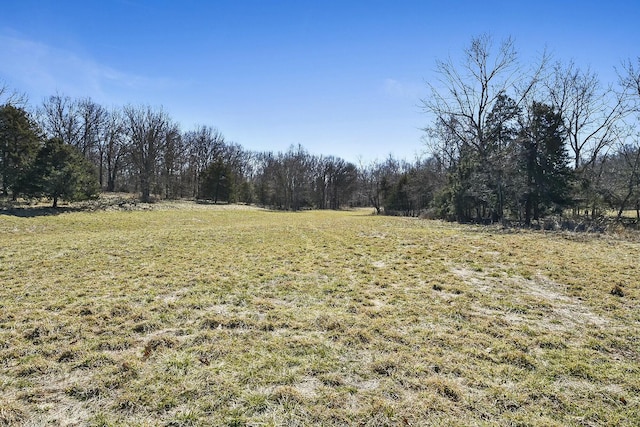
point(502, 125)
point(218, 182)
point(19, 142)
point(61, 172)
point(544, 161)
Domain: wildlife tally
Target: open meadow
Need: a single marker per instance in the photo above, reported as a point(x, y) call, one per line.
point(202, 315)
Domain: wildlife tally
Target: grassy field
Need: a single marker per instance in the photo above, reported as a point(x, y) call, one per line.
point(205, 315)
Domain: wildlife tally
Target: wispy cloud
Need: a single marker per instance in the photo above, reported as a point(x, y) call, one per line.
point(397, 89)
point(40, 70)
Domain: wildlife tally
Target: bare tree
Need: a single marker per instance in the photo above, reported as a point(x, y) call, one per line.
point(172, 161)
point(630, 80)
point(469, 92)
point(92, 118)
point(203, 144)
point(292, 177)
point(147, 130)
point(590, 112)
point(334, 181)
point(284, 180)
point(442, 142)
point(623, 169)
point(375, 180)
point(59, 118)
point(627, 173)
point(468, 104)
point(81, 123)
point(11, 97)
point(113, 147)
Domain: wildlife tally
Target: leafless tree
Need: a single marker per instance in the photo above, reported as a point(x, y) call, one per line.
point(292, 177)
point(442, 143)
point(11, 97)
point(284, 180)
point(623, 171)
point(333, 181)
point(203, 144)
point(621, 177)
point(590, 112)
point(173, 160)
point(629, 158)
point(630, 80)
point(147, 129)
point(592, 116)
point(92, 118)
point(59, 118)
point(376, 178)
point(113, 147)
point(464, 96)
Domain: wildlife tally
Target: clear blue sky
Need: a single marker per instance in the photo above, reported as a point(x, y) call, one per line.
point(339, 77)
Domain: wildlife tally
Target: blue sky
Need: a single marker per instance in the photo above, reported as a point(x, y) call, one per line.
point(341, 78)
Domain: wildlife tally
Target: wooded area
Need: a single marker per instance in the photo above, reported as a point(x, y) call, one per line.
point(504, 141)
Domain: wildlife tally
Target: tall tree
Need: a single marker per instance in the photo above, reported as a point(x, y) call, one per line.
point(377, 179)
point(19, 143)
point(591, 114)
point(239, 163)
point(204, 145)
point(622, 172)
point(147, 130)
point(293, 177)
point(589, 111)
point(464, 110)
point(81, 123)
point(502, 125)
point(92, 118)
point(285, 179)
point(544, 161)
point(113, 148)
point(218, 182)
point(425, 180)
point(173, 156)
point(334, 182)
point(342, 183)
point(60, 119)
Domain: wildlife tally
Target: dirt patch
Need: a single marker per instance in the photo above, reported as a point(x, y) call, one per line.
point(561, 311)
point(566, 308)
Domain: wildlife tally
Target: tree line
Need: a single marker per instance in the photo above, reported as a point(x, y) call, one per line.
point(522, 143)
point(72, 149)
point(504, 142)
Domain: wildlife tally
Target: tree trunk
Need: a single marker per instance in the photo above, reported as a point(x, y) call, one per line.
point(5, 191)
point(145, 190)
point(527, 210)
point(101, 173)
point(623, 204)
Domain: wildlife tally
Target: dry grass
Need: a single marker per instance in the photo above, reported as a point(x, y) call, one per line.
point(196, 315)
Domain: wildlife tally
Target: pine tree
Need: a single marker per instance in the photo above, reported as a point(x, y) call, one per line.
point(544, 161)
point(61, 172)
point(19, 143)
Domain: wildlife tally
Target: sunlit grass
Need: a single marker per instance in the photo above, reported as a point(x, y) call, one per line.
point(197, 315)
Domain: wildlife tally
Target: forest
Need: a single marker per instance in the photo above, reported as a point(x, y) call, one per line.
point(503, 142)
